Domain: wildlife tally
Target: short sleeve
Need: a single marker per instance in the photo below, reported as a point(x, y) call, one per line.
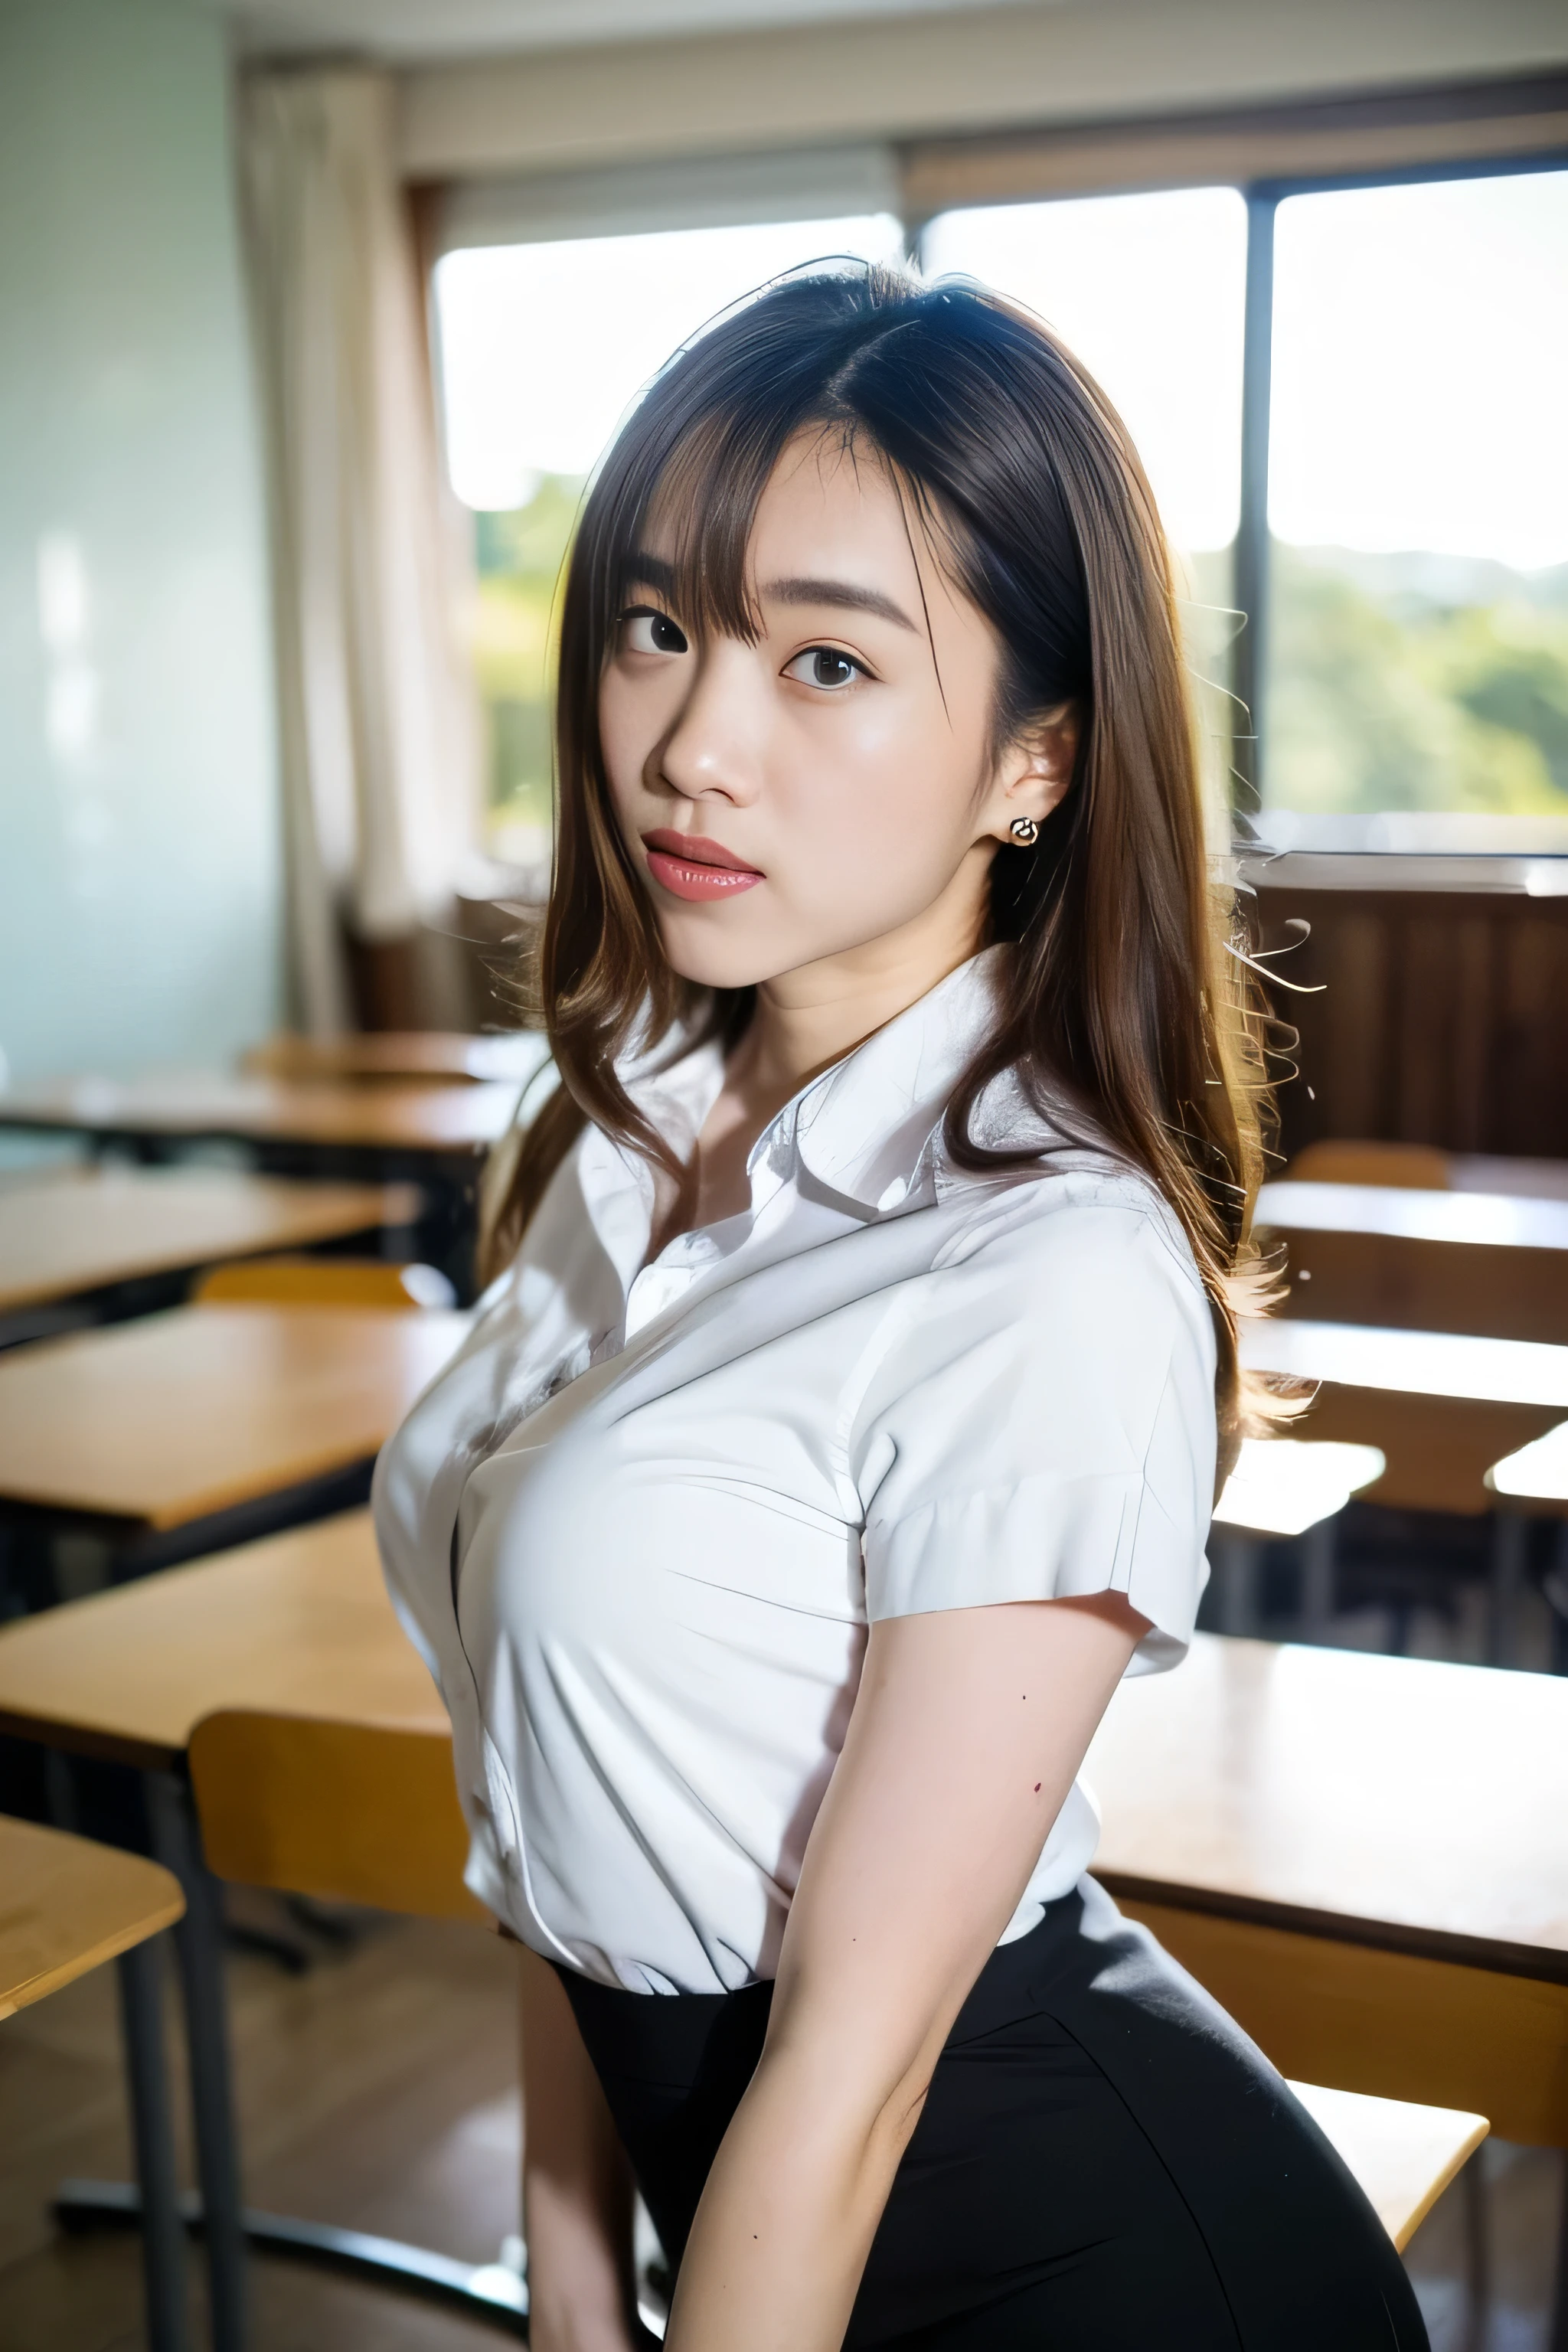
point(1041, 1423)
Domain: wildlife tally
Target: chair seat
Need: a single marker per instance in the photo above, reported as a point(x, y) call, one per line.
point(70, 1905)
point(369, 1814)
point(1403, 2154)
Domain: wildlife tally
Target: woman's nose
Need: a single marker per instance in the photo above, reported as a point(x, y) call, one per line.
point(713, 745)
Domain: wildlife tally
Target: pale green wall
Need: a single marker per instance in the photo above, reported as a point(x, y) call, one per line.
point(138, 861)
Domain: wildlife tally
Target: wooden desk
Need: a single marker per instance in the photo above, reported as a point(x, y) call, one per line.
point(299, 1622)
point(1442, 1406)
point(397, 1120)
point(1535, 1179)
point(1363, 1858)
point(1267, 1785)
point(1423, 1167)
point(392, 1054)
point(354, 1812)
point(70, 1905)
point(180, 1415)
point(1487, 1263)
point(88, 1228)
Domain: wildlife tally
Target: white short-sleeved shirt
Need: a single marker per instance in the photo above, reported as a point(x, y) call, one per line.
point(639, 1525)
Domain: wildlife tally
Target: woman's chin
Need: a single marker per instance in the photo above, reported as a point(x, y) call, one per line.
point(713, 954)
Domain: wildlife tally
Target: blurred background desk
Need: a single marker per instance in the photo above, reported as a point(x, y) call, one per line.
point(187, 1430)
point(299, 1623)
point(311, 1117)
point(1441, 1406)
point(91, 1244)
point(69, 1906)
point(1423, 1168)
point(1443, 1409)
point(511, 1057)
point(428, 1132)
point(1492, 1264)
point(1363, 1858)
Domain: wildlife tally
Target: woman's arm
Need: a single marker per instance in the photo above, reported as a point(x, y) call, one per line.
point(967, 1732)
point(577, 2185)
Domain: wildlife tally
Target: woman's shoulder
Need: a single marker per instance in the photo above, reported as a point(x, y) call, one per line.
point(1062, 1190)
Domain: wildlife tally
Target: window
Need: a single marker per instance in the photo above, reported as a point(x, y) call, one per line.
point(1408, 655)
point(544, 348)
point(1147, 290)
point(1416, 680)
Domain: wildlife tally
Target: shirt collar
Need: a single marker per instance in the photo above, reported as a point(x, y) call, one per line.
point(866, 1133)
point(868, 1130)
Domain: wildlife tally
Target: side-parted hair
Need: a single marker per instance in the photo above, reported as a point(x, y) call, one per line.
point(1123, 998)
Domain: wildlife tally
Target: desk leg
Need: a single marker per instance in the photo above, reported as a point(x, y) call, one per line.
point(1318, 1546)
point(1236, 1559)
point(163, 2229)
point(199, 1939)
point(1509, 1535)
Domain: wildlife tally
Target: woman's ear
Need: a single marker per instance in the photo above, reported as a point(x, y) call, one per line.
point(1034, 773)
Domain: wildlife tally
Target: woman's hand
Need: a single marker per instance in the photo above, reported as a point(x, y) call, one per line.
point(577, 2185)
point(968, 1730)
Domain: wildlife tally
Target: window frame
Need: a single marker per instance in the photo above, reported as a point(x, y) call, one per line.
point(1262, 196)
point(1253, 540)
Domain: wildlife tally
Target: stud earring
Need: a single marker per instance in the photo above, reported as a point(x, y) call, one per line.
point(1025, 831)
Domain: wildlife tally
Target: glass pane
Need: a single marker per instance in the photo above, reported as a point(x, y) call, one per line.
point(1148, 292)
point(544, 348)
point(1418, 499)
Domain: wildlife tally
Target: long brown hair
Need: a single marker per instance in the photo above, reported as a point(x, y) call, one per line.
point(1123, 998)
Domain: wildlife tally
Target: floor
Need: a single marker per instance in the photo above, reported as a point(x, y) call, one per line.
point(378, 2089)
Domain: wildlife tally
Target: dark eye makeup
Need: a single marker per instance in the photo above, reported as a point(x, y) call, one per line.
point(648, 630)
point(827, 666)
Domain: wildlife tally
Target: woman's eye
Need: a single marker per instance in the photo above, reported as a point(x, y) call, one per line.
point(825, 666)
point(646, 631)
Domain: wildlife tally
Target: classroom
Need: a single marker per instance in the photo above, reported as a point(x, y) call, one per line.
point(659, 657)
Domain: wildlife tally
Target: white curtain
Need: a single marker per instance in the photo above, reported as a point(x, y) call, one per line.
point(379, 719)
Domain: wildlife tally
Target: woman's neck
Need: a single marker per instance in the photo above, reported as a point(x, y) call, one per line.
point(804, 1022)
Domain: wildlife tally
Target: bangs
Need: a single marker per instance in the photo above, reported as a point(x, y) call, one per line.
point(675, 506)
point(686, 523)
point(697, 510)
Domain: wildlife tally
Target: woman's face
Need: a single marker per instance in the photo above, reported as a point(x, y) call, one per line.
point(834, 784)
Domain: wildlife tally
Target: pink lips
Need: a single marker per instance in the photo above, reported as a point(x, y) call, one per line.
point(689, 866)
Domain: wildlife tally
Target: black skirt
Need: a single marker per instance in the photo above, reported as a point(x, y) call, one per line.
point(1104, 2161)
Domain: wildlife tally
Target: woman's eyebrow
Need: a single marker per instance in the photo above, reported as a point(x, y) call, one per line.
point(842, 593)
point(649, 571)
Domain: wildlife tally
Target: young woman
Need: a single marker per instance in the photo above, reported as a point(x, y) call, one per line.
point(844, 1427)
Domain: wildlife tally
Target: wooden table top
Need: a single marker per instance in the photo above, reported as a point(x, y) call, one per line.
point(1398, 1804)
point(69, 1905)
point(380, 1054)
point(1479, 1172)
point(428, 1118)
point(298, 1623)
point(1491, 1263)
point(1473, 1219)
point(176, 1415)
point(1421, 1166)
point(1389, 1801)
point(89, 1227)
point(1416, 1363)
point(1440, 1406)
